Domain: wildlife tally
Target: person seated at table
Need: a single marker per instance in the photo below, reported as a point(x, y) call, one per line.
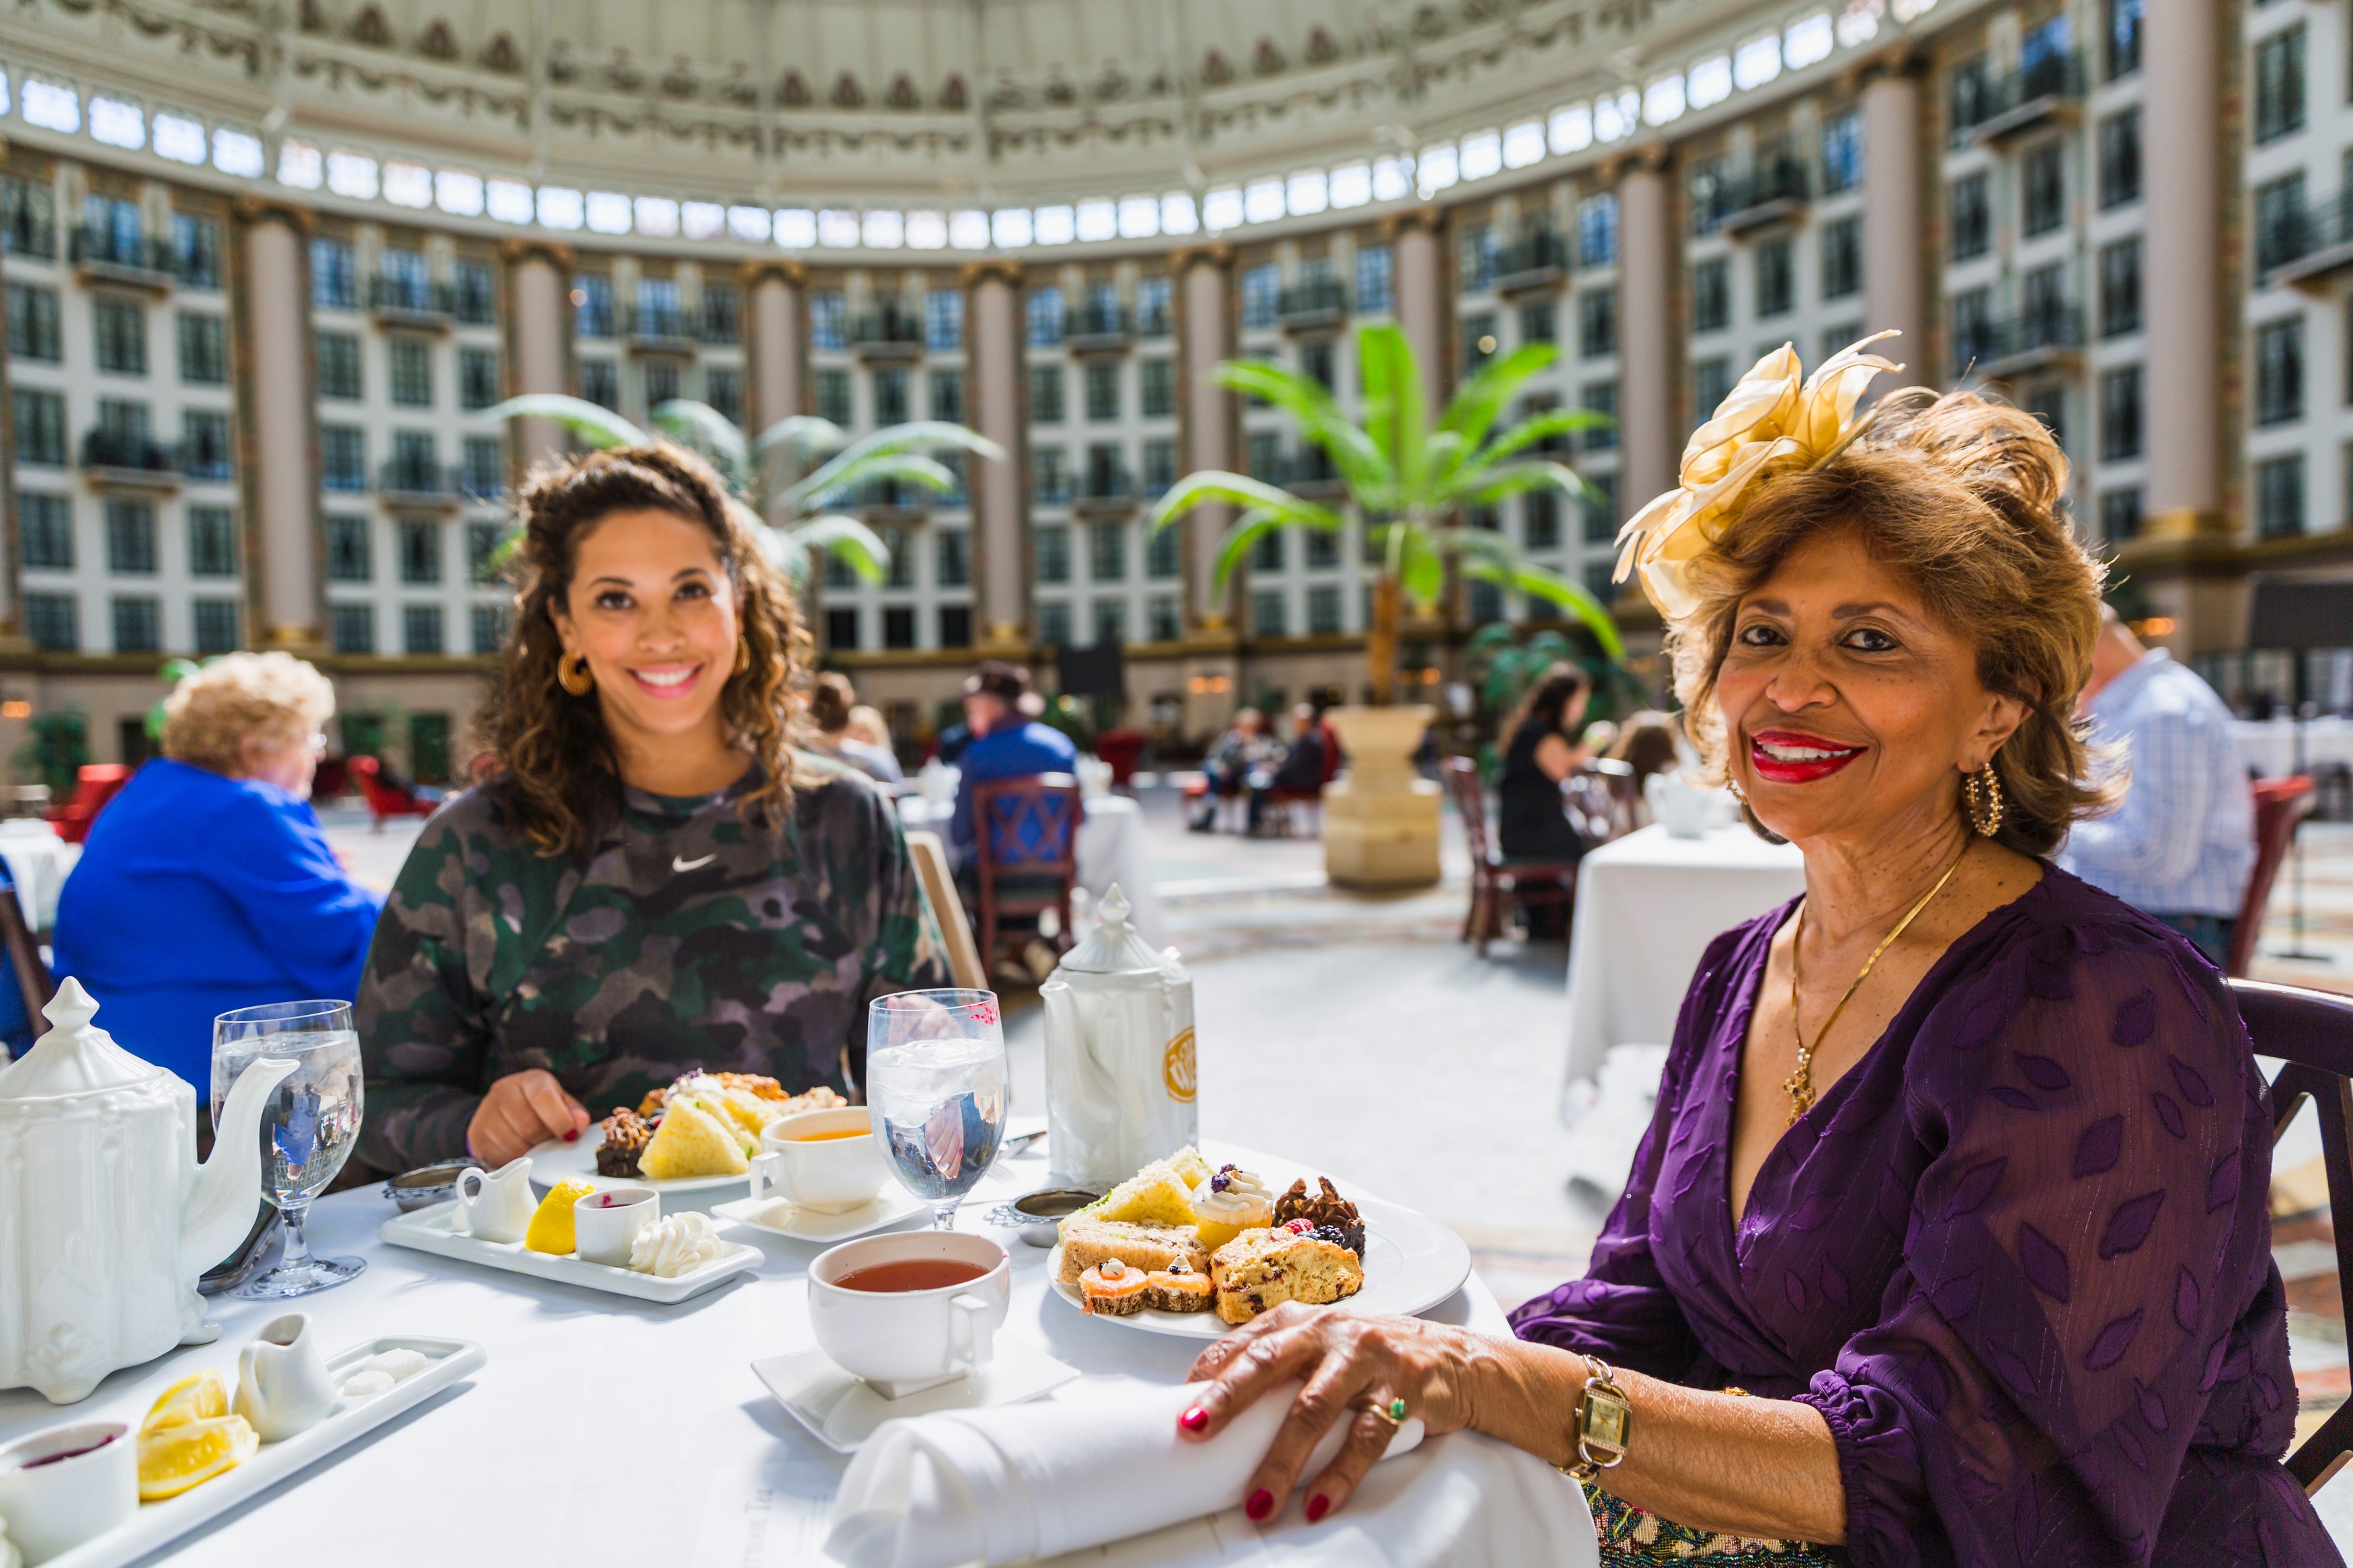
point(207, 884)
point(1541, 750)
point(1646, 743)
point(1009, 740)
point(867, 724)
point(831, 701)
point(1947, 1242)
point(649, 878)
point(2181, 846)
point(1301, 771)
point(1244, 748)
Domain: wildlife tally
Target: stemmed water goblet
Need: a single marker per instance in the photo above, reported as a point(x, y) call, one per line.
point(308, 1124)
point(936, 1090)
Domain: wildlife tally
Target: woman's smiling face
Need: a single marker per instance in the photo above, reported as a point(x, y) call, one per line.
point(1846, 704)
point(652, 608)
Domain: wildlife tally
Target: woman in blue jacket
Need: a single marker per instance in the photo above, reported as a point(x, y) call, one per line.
point(207, 884)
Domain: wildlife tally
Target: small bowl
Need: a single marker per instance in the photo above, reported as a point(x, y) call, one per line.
point(425, 1185)
point(1043, 1211)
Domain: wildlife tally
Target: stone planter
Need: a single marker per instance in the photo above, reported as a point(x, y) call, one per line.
point(1380, 817)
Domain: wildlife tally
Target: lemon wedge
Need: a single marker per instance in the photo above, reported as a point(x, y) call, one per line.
point(202, 1397)
point(551, 1226)
point(189, 1452)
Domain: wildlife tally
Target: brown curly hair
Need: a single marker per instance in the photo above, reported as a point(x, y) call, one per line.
point(1961, 495)
point(550, 759)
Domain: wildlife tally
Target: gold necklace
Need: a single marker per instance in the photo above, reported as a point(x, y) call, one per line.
point(1800, 1085)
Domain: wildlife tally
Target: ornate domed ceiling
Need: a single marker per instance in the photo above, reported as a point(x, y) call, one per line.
point(871, 101)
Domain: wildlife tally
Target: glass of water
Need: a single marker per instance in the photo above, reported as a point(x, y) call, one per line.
point(308, 1124)
point(935, 1088)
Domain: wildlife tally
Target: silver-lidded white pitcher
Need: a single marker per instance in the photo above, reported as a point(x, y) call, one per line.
point(1120, 1065)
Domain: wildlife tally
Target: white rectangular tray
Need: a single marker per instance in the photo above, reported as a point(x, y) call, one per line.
point(157, 1524)
point(429, 1230)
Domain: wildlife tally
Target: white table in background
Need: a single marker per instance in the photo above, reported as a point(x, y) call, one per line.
point(1111, 849)
point(1646, 906)
point(603, 1430)
point(39, 862)
point(2268, 746)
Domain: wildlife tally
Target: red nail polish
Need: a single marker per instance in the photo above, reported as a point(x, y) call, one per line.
point(572, 1136)
point(1193, 1420)
point(1260, 1504)
point(1317, 1507)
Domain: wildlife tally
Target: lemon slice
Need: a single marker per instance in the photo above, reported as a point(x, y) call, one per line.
point(551, 1226)
point(202, 1397)
point(189, 1453)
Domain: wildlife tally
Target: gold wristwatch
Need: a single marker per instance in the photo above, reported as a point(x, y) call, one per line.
point(1605, 1423)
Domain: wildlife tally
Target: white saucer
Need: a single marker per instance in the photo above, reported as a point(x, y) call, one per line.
point(781, 1216)
point(842, 1411)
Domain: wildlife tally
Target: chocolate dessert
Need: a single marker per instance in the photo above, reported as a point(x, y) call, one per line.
point(1329, 1210)
point(627, 1133)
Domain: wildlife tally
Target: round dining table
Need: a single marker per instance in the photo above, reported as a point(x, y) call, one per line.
point(604, 1431)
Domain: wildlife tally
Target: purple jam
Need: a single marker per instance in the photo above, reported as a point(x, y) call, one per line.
point(59, 1457)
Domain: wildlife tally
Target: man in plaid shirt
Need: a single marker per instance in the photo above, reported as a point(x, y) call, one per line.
point(2181, 843)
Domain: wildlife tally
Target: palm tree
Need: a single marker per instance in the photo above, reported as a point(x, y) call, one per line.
point(1406, 480)
point(771, 474)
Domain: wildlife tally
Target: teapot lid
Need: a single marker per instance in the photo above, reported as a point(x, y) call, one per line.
point(1115, 946)
point(75, 1057)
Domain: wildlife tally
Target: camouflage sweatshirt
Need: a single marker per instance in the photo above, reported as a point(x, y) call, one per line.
point(685, 936)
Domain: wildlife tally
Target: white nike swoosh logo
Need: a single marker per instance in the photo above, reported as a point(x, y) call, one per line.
point(676, 864)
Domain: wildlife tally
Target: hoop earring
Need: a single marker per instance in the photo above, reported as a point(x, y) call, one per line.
point(1981, 795)
point(572, 673)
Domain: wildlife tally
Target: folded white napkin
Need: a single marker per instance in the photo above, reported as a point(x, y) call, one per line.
point(1095, 1466)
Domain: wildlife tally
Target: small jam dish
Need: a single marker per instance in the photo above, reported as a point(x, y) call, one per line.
point(425, 1186)
point(1041, 1213)
point(68, 1485)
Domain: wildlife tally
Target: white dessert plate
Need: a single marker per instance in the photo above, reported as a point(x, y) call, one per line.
point(557, 1160)
point(1411, 1264)
point(781, 1216)
point(156, 1524)
point(429, 1230)
point(842, 1411)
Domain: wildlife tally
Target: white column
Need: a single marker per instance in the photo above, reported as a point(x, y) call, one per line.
point(1421, 299)
point(2182, 56)
point(1893, 222)
point(1647, 346)
point(776, 345)
point(1208, 421)
point(543, 331)
point(283, 489)
point(996, 488)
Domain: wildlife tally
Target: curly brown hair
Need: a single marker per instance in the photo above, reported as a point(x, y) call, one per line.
point(549, 758)
point(1961, 495)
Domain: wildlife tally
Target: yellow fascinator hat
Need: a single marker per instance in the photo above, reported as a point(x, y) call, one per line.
point(1770, 424)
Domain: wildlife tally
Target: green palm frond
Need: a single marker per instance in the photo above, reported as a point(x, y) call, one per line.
point(1254, 495)
point(592, 423)
point(706, 430)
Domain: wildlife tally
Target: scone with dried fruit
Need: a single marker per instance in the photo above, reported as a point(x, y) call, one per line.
point(1262, 1269)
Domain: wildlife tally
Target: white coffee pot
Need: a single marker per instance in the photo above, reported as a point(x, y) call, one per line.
point(1120, 1065)
point(106, 1219)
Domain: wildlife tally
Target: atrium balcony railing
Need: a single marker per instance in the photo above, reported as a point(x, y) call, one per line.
point(2003, 347)
point(1097, 328)
point(719, 324)
point(412, 301)
point(1318, 302)
point(1772, 190)
point(660, 329)
point(890, 333)
point(1535, 260)
point(125, 459)
point(1309, 472)
point(118, 257)
point(895, 496)
point(202, 462)
point(476, 485)
point(1105, 490)
point(593, 318)
point(1154, 322)
point(2307, 244)
point(410, 483)
point(1993, 109)
point(1051, 489)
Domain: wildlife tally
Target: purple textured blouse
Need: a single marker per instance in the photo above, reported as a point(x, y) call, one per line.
point(2018, 1256)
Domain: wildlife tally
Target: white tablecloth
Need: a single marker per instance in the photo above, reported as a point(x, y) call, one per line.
point(39, 862)
point(1111, 849)
point(2268, 747)
point(606, 1431)
point(1646, 906)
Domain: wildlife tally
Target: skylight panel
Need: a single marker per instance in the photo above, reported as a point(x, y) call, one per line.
point(178, 138)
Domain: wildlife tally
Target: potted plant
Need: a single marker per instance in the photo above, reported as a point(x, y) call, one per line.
point(1409, 481)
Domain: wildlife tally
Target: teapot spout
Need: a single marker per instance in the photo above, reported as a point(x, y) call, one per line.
point(220, 1205)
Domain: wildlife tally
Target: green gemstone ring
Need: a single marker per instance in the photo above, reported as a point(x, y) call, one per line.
point(1393, 1411)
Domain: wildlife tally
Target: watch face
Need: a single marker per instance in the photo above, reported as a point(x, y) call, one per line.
point(1606, 1421)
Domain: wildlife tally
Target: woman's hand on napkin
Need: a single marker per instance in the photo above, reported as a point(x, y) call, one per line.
point(1352, 1367)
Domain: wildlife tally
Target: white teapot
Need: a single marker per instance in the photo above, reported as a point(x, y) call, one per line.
point(1120, 1070)
point(106, 1219)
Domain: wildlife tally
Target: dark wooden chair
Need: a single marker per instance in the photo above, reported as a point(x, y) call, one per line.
point(1124, 749)
point(384, 798)
point(1276, 807)
point(1025, 851)
point(2280, 805)
point(34, 983)
point(1496, 878)
point(2312, 1032)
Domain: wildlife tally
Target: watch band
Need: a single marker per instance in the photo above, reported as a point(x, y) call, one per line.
point(1605, 1423)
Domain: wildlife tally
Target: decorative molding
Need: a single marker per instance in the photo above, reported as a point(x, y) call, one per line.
point(1000, 269)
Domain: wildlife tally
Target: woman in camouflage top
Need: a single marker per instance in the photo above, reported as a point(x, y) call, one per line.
point(649, 879)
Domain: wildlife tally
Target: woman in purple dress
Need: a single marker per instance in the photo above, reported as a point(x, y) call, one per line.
point(1948, 1244)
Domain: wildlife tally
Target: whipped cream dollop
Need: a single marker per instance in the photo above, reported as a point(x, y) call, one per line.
point(675, 1244)
point(1234, 1196)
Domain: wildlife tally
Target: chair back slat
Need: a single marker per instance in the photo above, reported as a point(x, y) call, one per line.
point(931, 861)
point(1028, 826)
point(1470, 803)
point(2312, 1032)
point(2280, 805)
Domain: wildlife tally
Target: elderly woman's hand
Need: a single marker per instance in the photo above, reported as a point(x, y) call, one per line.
point(1352, 1366)
point(522, 1111)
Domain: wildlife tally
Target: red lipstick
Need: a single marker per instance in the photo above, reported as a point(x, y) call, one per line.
point(1792, 756)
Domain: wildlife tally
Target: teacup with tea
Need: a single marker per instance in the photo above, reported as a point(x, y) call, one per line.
point(824, 1161)
point(911, 1311)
